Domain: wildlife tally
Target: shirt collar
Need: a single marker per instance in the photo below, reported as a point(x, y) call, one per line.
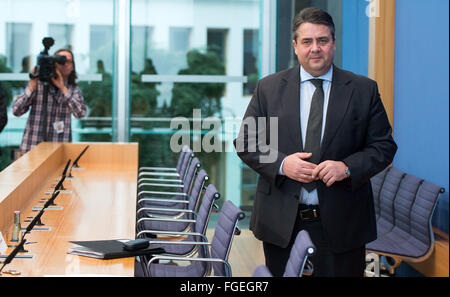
point(304, 76)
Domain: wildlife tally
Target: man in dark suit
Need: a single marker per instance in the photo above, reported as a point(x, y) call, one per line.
point(333, 135)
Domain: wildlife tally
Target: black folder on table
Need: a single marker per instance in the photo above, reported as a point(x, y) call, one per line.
point(110, 249)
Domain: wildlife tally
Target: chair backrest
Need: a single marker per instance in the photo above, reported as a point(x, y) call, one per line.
point(192, 170)
point(388, 191)
point(204, 212)
point(403, 202)
point(185, 150)
point(202, 216)
point(220, 247)
point(185, 165)
point(180, 161)
point(377, 182)
point(262, 271)
point(196, 191)
point(223, 236)
point(301, 250)
point(422, 211)
point(201, 223)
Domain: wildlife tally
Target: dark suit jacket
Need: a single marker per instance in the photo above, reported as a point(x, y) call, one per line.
point(357, 132)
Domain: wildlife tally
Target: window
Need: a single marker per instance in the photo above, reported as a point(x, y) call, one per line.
point(180, 39)
point(217, 43)
point(101, 48)
point(196, 61)
point(184, 54)
point(62, 34)
point(141, 39)
point(18, 36)
point(88, 35)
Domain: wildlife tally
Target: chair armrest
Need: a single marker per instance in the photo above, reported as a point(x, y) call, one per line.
point(307, 268)
point(161, 185)
point(157, 258)
point(169, 180)
point(158, 168)
point(237, 230)
point(163, 200)
point(162, 193)
point(165, 209)
point(159, 174)
point(215, 208)
point(180, 242)
point(167, 219)
point(174, 233)
point(171, 233)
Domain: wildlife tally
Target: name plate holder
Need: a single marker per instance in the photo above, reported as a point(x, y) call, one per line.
point(19, 256)
point(38, 208)
point(35, 228)
point(78, 168)
point(50, 192)
point(67, 178)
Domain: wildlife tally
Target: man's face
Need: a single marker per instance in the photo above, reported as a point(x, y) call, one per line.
point(67, 68)
point(314, 48)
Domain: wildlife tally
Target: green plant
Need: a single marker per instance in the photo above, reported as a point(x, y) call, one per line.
point(204, 96)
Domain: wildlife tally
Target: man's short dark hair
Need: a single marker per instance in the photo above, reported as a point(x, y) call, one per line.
point(314, 16)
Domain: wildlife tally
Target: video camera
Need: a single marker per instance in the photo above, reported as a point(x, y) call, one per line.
point(45, 68)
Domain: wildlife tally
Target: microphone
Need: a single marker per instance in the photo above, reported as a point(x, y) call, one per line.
point(75, 163)
point(19, 247)
point(13, 254)
point(37, 219)
point(33, 222)
point(65, 172)
point(30, 227)
point(50, 201)
point(65, 168)
point(59, 184)
point(57, 187)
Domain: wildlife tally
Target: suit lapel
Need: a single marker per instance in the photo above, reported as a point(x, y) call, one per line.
point(340, 95)
point(291, 106)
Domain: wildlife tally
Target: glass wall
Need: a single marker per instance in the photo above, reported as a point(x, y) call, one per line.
point(191, 59)
point(351, 20)
point(74, 25)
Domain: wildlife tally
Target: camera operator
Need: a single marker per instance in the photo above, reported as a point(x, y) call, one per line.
point(64, 99)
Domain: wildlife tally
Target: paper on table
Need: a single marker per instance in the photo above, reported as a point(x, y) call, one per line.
point(109, 249)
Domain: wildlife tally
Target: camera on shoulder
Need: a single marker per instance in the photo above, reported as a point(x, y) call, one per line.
point(45, 68)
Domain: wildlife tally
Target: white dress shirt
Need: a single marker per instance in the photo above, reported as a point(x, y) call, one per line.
point(307, 90)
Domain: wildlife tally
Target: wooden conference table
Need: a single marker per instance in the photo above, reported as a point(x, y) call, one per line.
point(100, 203)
